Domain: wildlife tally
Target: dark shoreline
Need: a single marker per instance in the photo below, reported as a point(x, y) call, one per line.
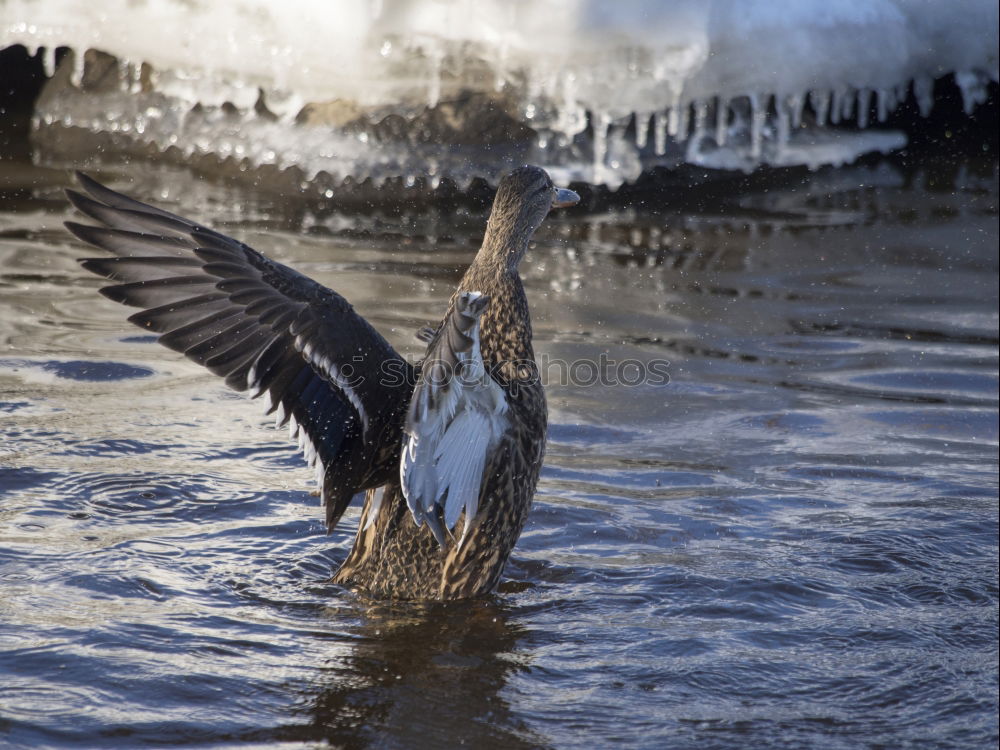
point(947, 134)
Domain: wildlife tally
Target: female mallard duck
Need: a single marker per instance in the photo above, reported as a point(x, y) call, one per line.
point(446, 453)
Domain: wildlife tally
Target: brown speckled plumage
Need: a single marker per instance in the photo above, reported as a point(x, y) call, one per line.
point(394, 557)
point(269, 330)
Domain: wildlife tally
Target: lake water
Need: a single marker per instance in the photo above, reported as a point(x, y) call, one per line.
point(792, 543)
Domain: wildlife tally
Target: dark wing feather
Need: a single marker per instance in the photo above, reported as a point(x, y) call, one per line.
point(264, 328)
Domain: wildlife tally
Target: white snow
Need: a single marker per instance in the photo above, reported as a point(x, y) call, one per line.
point(707, 81)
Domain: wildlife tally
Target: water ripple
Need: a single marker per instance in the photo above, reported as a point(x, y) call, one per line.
point(792, 543)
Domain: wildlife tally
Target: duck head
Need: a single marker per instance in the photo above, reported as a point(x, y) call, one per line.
point(523, 200)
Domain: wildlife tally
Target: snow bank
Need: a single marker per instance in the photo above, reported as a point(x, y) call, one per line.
point(604, 89)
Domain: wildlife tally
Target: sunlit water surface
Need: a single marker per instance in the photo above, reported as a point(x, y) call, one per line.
point(793, 543)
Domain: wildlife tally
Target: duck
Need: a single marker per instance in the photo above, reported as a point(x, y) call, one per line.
point(443, 455)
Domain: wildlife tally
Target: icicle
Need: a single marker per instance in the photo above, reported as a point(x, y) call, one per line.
point(124, 75)
point(885, 100)
point(820, 101)
point(923, 91)
point(49, 61)
point(642, 129)
point(847, 102)
point(795, 104)
point(677, 120)
point(683, 121)
point(758, 116)
point(721, 121)
point(76, 75)
point(835, 106)
point(602, 126)
point(284, 104)
point(673, 115)
point(864, 106)
point(660, 133)
point(700, 118)
point(436, 57)
point(784, 126)
point(571, 117)
point(973, 90)
point(698, 132)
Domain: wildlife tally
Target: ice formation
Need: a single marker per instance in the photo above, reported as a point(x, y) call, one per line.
point(598, 91)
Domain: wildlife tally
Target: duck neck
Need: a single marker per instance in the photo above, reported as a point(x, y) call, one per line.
point(505, 327)
point(494, 276)
point(504, 244)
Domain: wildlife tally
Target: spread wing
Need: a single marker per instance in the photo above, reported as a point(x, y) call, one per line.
point(456, 417)
point(262, 326)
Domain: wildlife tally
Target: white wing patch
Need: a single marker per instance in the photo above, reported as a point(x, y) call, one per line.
point(457, 415)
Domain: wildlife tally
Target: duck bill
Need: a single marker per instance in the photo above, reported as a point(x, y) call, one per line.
point(565, 198)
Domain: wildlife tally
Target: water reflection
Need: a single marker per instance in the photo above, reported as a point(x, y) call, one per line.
point(421, 676)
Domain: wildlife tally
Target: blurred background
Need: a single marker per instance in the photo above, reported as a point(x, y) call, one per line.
point(391, 96)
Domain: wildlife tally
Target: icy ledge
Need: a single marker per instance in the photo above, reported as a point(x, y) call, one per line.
point(596, 91)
